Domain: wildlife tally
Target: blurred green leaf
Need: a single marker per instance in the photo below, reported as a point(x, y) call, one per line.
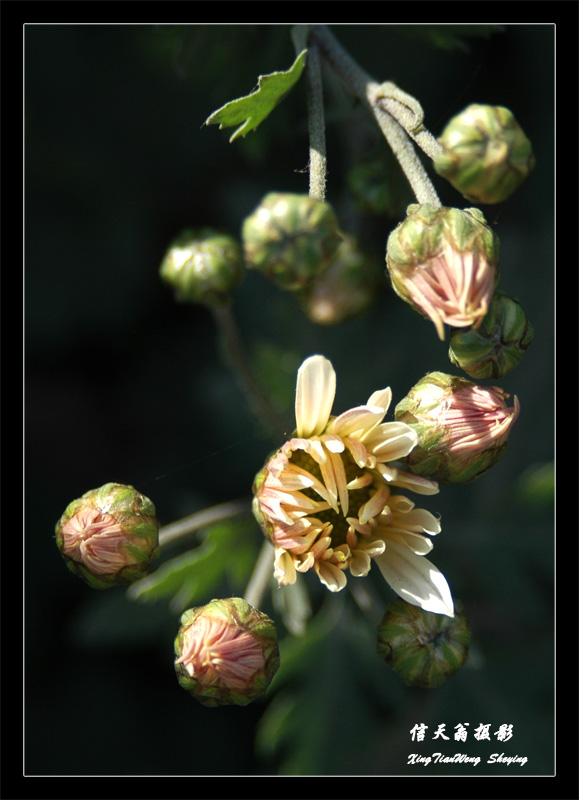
point(321, 695)
point(445, 37)
point(277, 367)
point(536, 486)
point(249, 111)
point(228, 551)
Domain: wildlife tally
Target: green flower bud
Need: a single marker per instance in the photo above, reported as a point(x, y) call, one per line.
point(444, 263)
point(423, 648)
point(227, 653)
point(109, 536)
point(485, 154)
point(498, 345)
point(291, 238)
point(378, 185)
point(462, 428)
point(344, 290)
point(203, 266)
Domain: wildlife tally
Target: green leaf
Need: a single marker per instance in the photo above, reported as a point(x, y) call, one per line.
point(191, 578)
point(248, 112)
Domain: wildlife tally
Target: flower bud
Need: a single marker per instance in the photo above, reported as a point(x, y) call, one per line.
point(462, 428)
point(109, 536)
point(344, 290)
point(378, 185)
point(227, 652)
point(497, 345)
point(203, 266)
point(423, 648)
point(485, 154)
point(444, 263)
point(291, 238)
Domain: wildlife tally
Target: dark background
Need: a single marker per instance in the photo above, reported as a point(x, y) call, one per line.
point(123, 384)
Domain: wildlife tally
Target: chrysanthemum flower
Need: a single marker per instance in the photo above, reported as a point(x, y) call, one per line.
point(327, 499)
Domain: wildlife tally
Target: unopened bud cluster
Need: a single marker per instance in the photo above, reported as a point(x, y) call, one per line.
point(423, 648)
point(203, 266)
point(227, 652)
point(497, 345)
point(291, 238)
point(109, 536)
point(485, 154)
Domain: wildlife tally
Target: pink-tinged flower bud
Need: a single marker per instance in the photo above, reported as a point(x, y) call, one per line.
point(444, 263)
point(423, 648)
point(109, 536)
point(462, 428)
point(345, 289)
point(227, 653)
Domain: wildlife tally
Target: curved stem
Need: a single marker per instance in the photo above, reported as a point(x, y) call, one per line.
point(408, 112)
point(376, 98)
point(175, 531)
point(227, 324)
point(262, 573)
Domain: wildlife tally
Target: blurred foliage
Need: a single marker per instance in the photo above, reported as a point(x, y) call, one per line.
point(451, 37)
point(124, 385)
point(227, 550)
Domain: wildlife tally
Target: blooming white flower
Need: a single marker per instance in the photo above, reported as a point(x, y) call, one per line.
point(325, 498)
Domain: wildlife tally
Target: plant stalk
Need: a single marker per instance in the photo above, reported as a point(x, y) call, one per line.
point(225, 319)
point(172, 533)
point(372, 94)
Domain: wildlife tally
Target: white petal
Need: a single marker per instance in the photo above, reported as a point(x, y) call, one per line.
point(360, 420)
point(333, 443)
point(334, 480)
point(316, 388)
point(419, 520)
point(413, 541)
point(284, 570)
point(406, 480)
point(416, 580)
point(360, 564)
point(359, 453)
point(382, 398)
point(332, 577)
point(374, 505)
point(392, 440)
point(363, 480)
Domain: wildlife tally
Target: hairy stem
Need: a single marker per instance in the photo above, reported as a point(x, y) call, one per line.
point(239, 360)
point(315, 99)
point(316, 124)
point(372, 94)
point(261, 576)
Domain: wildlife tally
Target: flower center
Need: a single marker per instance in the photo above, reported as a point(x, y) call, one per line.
point(356, 497)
